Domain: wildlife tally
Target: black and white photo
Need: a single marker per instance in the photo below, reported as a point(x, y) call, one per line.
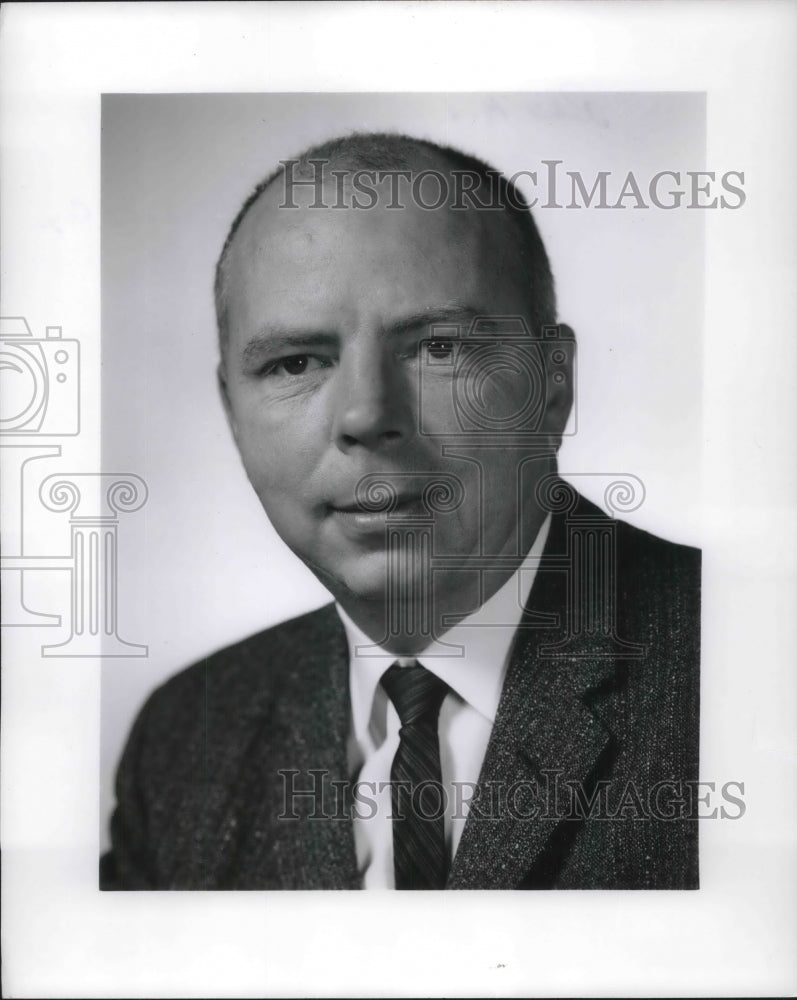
point(396, 439)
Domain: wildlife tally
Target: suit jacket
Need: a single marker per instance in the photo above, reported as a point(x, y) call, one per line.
point(585, 782)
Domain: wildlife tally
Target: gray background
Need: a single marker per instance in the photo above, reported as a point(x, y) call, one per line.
point(200, 566)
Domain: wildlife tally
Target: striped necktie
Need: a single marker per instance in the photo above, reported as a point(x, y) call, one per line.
point(418, 800)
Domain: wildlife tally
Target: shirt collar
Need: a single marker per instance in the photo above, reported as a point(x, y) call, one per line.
point(472, 657)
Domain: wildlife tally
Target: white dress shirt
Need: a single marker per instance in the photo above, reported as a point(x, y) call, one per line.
point(472, 658)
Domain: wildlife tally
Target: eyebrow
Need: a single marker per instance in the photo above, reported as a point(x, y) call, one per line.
point(276, 340)
point(443, 314)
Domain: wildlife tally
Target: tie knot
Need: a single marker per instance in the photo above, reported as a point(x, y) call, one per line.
point(416, 693)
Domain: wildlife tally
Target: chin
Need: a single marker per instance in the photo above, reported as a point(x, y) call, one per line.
point(362, 583)
point(366, 579)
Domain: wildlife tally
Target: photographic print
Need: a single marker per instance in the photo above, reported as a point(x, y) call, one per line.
point(397, 420)
point(402, 409)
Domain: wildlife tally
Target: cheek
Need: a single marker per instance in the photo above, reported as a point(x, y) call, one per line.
point(279, 460)
point(281, 432)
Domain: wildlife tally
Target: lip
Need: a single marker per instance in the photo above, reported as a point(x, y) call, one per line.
point(355, 518)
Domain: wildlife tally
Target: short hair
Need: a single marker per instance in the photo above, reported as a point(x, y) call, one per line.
point(386, 151)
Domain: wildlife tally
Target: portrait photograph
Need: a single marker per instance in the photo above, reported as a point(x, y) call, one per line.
point(403, 413)
point(390, 505)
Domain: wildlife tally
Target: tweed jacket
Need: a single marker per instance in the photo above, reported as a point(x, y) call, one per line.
point(584, 784)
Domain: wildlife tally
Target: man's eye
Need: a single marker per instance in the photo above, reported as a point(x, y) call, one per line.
point(296, 364)
point(440, 350)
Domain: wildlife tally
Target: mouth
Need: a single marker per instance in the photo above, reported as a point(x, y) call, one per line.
point(356, 517)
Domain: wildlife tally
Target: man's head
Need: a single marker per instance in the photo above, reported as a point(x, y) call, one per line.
point(323, 310)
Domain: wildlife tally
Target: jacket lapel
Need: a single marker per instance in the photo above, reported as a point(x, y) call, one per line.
point(553, 725)
point(317, 850)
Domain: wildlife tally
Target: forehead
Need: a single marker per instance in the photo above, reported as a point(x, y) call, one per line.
point(301, 263)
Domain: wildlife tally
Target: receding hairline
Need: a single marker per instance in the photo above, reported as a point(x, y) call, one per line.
point(418, 155)
point(269, 197)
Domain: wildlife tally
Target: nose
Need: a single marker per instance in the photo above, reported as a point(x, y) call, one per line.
point(372, 404)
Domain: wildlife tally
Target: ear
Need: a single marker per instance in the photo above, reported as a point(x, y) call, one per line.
point(221, 378)
point(560, 367)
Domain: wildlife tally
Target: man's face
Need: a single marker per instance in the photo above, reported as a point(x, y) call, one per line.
point(327, 312)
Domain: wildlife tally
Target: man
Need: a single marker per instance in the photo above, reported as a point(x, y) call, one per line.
point(505, 693)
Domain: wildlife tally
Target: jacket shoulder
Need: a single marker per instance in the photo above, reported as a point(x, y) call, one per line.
point(647, 555)
point(638, 539)
point(244, 676)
